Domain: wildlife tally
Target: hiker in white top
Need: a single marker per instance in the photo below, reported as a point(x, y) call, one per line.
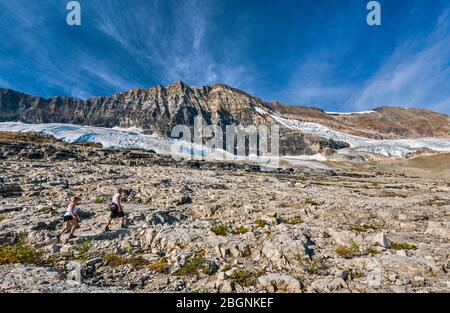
point(117, 209)
point(71, 219)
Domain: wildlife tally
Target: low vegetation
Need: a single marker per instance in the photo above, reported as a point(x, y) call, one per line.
point(437, 202)
point(116, 260)
point(159, 266)
point(293, 220)
point(21, 253)
point(403, 246)
point(243, 278)
point(2, 217)
point(260, 223)
point(240, 230)
point(372, 250)
point(354, 274)
point(138, 261)
point(100, 199)
point(311, 266)
point(193, 266)
point(220, 230)
point(362, 228)
point(83, 250)
point(348, 252)
point(309, 201)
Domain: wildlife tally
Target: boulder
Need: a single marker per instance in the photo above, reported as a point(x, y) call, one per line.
point(439, 229)
point(328, 284)
point(280, 282)
point(382, 240)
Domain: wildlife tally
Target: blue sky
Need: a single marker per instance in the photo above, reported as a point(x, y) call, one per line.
point(319, 53)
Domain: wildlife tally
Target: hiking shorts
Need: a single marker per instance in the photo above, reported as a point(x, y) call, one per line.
point(116, 212)
point(68, 218)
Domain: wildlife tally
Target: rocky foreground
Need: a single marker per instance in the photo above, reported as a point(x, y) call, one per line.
point(195, 226)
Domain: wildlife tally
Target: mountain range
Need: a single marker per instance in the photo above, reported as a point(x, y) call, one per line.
point(159, 109)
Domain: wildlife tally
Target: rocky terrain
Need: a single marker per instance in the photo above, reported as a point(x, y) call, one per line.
point(196, 226)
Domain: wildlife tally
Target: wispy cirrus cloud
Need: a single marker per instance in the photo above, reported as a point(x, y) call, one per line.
point(312, 83)
point(174, 39)
point(58, 62)
point(415, 75)
point(298, 52)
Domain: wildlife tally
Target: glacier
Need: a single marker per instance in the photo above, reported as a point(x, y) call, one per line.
point(382, 147)
point(130, 138)
point(134, 138)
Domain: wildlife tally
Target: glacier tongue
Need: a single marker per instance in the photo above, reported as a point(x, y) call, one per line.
point(109, 137)
point(128, 138)
point(388, 147)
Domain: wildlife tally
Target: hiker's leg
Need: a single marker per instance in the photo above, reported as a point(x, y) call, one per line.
point(122, 220)
point(65, 227)
point(74, 226)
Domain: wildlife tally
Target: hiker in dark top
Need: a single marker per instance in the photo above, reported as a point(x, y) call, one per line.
point(117, 209)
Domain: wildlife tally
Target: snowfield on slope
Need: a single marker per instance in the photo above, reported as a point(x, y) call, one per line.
point(133, 138)
point(350, 113)
point(387, 147)
point(111, 138)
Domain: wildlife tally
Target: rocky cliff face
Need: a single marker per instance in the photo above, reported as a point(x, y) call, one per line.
point(157, 109)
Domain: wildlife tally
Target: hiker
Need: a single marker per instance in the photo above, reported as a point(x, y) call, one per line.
point(71, 219)
point(117, 209)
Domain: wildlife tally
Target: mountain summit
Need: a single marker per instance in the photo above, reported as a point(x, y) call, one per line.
point(158, 109)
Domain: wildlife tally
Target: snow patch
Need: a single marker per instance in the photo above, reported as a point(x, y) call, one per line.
point(350, 113)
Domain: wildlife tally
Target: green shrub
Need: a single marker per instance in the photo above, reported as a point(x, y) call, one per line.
point(243, 278)
point(403, 246)
point(362, 228)
point(193, 266)
point(220, 230)
point(99, 200)
point(21, 253)
point(372, 250)
point(293, 221)
point(2, 217)
point(309, 201)
point(83, 250)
